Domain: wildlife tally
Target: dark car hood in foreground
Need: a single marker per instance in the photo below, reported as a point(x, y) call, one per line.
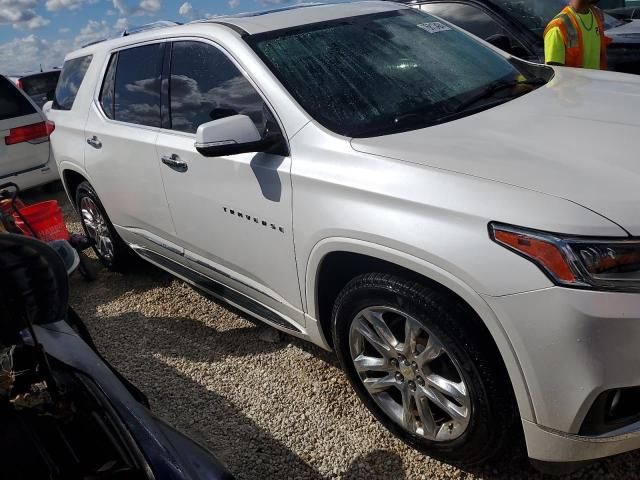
point(577, 138)
point(169, 454)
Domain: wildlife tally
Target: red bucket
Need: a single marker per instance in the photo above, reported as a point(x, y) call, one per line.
point(45, 219)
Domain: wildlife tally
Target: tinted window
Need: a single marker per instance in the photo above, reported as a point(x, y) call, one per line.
point(137, 85)
point(40, 86)
point(12, 102)
point(467, 17)
point(106, 93)
point(73, 73)
point(205, 85)
point(383, 73)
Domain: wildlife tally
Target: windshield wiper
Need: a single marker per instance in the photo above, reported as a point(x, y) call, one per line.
point(494, 88)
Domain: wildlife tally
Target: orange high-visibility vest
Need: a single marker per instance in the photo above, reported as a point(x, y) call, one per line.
point(571, 32)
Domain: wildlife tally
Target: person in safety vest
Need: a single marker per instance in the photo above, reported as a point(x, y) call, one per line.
point(575, 37)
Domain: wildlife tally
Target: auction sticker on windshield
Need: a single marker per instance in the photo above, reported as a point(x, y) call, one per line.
point(433, 27)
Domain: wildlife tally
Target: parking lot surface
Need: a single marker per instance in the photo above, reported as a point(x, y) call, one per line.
point(268, 405)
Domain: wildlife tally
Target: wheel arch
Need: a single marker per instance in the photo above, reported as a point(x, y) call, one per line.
point(72, 176)
point(333, 262)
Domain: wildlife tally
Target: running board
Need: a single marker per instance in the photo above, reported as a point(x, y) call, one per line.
point(217, 289)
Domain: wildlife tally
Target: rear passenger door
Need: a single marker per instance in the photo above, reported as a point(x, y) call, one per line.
point(120, 152)
point(232, 214)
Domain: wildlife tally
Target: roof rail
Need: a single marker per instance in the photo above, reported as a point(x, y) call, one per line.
point(149, 26)
point(93, 43)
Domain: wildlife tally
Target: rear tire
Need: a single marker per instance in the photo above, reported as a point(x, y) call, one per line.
point(425, 368)
point(108, 246)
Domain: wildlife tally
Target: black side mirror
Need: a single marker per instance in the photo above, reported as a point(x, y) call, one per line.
point(501, 41)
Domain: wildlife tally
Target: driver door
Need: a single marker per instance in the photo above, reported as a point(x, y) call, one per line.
point(232, 214)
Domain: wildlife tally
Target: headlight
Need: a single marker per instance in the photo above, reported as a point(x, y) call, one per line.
point(602, 264)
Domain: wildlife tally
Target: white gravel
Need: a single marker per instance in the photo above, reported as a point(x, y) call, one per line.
point(268, 405)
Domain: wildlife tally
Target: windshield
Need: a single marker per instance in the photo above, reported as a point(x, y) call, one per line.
point(535, 15)
point(385, 73)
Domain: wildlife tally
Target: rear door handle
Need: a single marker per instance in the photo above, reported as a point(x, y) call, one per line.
point(94, 142)
point(175, 163)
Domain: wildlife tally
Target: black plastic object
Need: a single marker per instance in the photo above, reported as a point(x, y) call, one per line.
point(33, 282)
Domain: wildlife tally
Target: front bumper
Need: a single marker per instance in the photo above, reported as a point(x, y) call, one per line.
point(572, 345)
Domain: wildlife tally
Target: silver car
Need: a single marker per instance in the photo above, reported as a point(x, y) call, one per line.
point(459, 225)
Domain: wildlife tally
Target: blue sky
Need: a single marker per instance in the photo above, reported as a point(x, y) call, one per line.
point(34, 32)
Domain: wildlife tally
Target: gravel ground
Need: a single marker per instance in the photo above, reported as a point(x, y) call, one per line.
point(268, 405)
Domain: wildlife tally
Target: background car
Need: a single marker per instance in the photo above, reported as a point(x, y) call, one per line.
point(517, 26)
point(25, 150)
point(64, 411)
point(39, 86)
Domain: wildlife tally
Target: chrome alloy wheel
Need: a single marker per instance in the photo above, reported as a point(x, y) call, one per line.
point(97, 228)
point(409, 374)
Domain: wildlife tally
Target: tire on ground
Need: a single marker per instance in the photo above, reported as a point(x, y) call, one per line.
point(493, 422)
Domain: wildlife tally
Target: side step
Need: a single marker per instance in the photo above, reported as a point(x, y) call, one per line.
point(217, 289)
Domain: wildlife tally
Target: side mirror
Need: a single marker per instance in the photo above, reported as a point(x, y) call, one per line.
point(231, 136)
point(500, 41)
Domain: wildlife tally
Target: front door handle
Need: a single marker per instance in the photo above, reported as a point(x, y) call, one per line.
point(175, 163)
point(94, 142)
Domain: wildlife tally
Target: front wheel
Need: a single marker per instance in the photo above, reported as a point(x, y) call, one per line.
point(424, 368)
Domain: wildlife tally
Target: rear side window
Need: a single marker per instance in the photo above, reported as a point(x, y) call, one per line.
point(107, 97)
point(73, 73)
point(137, 85)
point(12, 102)
point(205, 85)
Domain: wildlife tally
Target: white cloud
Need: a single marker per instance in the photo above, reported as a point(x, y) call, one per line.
point(33, 24)
point(234, 3)
point(142, 7)
point(25, 54)
point(121, 24)
point(55, 5)
point(21, 14)
point(64, 30)
point(186, 10)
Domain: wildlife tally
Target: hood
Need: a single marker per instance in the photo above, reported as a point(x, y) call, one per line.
point(628, 32)
point(577, 138)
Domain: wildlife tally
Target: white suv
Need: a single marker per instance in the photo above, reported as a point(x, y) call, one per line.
point(25, 153)
point(461, 226)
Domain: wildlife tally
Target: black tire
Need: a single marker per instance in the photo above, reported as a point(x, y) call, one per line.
point(493, 419)
point(123, 257)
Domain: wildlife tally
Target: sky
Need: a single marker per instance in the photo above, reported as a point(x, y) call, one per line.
point(41, 32)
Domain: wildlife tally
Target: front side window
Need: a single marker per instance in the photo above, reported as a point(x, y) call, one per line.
point(138, 78)
point(12, 102)
point(73, 72)
point(205, 85)
point(384, 73)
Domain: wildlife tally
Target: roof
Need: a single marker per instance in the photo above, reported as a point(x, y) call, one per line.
point(252, 23)
point(303, 14)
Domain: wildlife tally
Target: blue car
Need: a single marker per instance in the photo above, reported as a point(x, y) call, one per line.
point(65, 413)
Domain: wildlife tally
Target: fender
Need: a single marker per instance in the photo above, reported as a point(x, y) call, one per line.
point(437, 274)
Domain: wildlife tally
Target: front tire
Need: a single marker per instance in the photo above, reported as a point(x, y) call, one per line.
point(424, 367)
point(108, 246)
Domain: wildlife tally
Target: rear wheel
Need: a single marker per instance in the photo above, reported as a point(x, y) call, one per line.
point(108, 246)
point(424, 368)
